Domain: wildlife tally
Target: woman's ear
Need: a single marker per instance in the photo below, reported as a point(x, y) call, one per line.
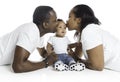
point(45, 25)
point(78, 20)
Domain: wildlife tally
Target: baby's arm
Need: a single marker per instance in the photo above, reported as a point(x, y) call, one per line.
point(49, 48)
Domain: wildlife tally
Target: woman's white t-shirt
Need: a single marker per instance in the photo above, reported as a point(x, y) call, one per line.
point(26, 36)
point(92, 35)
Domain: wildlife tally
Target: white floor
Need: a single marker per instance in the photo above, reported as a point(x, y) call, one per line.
point(48, 74)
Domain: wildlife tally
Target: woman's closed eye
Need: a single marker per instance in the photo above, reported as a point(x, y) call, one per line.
point(60, 27)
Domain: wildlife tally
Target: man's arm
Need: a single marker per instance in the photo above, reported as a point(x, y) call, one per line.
point(42, 52)
point(49, 48)
point(22, 64)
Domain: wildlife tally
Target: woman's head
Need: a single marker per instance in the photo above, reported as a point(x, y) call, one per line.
point(80, 16)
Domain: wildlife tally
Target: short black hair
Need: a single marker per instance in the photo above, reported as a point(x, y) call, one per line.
point(41, 14)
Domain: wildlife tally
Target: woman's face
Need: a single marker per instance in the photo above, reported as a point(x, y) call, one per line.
point(73, 22)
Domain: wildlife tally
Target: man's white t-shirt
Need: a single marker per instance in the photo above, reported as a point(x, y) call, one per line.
point(60, 44)
point(92, 36)
point(26, 36)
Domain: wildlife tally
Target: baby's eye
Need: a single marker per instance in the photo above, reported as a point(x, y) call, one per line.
point(60, 27)
point(64, 27)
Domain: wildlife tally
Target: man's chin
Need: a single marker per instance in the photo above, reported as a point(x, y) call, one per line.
point(69, 29)
point(54, 32)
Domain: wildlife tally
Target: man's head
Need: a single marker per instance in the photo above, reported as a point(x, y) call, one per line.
point(61, 28)
point(45, 17)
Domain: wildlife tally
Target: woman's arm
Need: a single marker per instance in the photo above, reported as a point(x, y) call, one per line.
point(95, 58)
point(77, 53)
point(78, 50)
point(73, 45)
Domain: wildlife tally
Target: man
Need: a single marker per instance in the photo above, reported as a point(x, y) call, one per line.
point(16, 47)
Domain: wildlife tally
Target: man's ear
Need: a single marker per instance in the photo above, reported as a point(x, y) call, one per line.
point(45, 25)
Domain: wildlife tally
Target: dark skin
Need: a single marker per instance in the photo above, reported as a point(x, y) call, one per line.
point(92, 61)
point(77, 53)
point(21, 62)
point(95, 60)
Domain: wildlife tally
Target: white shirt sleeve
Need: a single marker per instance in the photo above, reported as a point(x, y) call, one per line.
point(50, 40)
point(91, 37)
point(68, 41)
point(27, 41)
point(41, 43)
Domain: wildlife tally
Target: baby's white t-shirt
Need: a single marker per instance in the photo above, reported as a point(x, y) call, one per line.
point(92, 35)
point(26, 36)
point(60, 44)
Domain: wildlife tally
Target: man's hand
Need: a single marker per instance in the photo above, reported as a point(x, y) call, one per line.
point(51, 59)
point(42, 52)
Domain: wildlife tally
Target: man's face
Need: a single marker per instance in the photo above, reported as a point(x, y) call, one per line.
point(52, 22)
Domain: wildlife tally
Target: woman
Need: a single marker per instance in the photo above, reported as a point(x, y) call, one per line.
point(101, 49)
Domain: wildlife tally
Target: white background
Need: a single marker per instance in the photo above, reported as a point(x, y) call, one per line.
point(16, 12)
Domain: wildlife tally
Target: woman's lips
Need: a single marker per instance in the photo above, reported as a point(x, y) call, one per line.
point(67, 24)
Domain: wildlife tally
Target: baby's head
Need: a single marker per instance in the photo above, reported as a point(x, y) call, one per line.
point(61, 28)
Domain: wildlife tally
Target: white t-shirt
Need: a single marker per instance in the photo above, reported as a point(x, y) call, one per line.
point(60, 44)
point(92, 36)
point(26, 36)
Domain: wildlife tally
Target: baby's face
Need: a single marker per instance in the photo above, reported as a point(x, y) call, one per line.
point(61, 29)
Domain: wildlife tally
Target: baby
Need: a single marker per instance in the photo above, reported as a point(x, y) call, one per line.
point(60, 44)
